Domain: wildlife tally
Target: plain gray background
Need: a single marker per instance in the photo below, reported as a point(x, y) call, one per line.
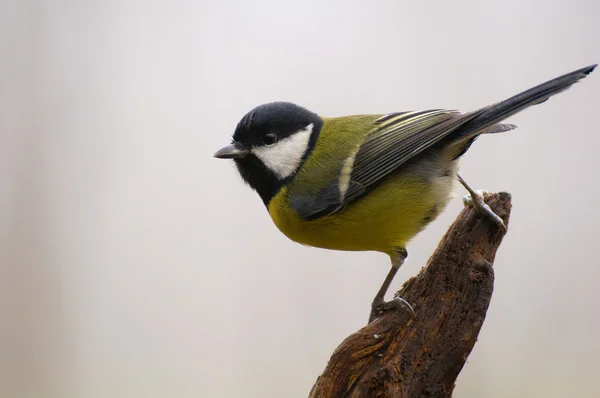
point(133, 264)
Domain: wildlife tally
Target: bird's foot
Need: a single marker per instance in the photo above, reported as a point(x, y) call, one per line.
point(475, 200)
point(398, 303)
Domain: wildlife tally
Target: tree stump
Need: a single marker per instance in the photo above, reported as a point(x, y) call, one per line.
point(399, 356)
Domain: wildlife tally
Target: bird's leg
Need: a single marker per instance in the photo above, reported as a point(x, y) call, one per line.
point(475, 199)
point(379, 304)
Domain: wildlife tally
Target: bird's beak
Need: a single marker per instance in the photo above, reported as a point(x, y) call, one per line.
point(233, 151)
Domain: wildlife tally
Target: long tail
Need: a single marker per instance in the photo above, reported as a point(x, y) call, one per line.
point(536, 95)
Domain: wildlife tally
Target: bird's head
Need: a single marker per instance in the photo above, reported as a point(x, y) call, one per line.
point(270, 144)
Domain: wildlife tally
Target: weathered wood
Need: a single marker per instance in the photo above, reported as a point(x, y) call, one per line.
point(396, 356)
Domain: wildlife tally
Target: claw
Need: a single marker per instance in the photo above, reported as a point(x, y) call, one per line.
point(476, 201)
point(398, 303)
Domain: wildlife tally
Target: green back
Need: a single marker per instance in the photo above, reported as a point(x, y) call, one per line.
point(339, 137)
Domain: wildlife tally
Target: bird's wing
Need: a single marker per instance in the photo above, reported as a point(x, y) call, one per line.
point(395, 138)
point(399, 137)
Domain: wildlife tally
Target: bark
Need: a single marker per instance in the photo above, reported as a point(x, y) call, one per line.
point(399, 356)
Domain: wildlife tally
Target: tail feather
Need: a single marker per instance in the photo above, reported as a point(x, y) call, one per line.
point(536, 95)
point(460, 147)
point(499, 128)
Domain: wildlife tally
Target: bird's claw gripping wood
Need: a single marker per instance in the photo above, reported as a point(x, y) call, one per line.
point(477, 202)
point(396, 304)
point(475, 199)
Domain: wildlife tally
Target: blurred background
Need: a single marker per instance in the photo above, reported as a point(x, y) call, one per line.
point(133, 264)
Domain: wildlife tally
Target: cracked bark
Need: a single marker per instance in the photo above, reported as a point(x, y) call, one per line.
point(396, 356)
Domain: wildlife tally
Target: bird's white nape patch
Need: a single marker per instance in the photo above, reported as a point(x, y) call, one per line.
point(284, 157)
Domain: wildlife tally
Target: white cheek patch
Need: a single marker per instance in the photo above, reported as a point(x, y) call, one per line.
point(285, 156)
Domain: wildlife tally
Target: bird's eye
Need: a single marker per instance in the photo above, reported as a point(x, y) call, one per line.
point(269, 139)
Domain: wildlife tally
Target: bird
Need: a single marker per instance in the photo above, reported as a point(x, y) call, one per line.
point(368, 182)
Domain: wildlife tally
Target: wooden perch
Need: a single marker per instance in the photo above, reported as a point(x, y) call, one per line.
point(396, 356)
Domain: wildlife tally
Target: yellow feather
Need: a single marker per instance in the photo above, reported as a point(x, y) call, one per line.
point(383, 220)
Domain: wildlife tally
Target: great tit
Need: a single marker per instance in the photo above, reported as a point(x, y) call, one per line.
point(366, 182)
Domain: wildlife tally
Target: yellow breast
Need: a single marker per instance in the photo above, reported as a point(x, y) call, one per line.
point(383, 220)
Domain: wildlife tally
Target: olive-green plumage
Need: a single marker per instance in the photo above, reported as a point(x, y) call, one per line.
point(366, 182)
point(386, 218)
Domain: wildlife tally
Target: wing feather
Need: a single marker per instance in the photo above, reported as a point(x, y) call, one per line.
point(384, 152)
point(395, 139)
point(398, 137)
